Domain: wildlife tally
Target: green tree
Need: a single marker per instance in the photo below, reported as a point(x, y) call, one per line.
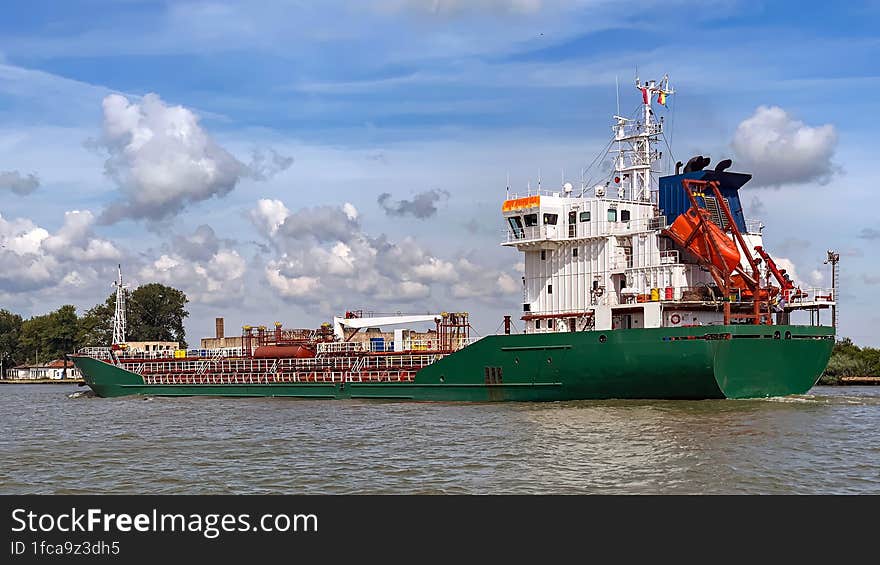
point(850, 360)
point(96, 324)
point(153, 312)
point(10, 332)
point(157, 314)
point(50, 336)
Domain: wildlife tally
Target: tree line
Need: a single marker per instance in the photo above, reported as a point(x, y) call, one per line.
point(850, 360)
point(153, 312)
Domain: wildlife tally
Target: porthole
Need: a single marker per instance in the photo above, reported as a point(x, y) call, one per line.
point(787, 335)
point(549, 360)
point(516, 360)
point(603, 338)
point(776, 335)
point(442, 379)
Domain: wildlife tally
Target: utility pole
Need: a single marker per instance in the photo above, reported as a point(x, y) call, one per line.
point(833, 257)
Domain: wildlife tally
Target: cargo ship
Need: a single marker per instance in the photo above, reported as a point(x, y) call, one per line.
point(637, 286)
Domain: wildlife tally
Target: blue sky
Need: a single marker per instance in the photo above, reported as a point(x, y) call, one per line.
point(403, 97)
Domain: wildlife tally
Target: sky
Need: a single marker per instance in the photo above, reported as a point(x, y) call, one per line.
point(290, 160)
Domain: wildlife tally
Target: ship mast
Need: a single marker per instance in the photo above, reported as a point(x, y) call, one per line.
point(633, 165)
point(119, 315)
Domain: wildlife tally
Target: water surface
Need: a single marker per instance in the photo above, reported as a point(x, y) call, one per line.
point(56, 439)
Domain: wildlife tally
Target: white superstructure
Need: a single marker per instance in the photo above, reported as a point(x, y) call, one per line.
point(597, 258)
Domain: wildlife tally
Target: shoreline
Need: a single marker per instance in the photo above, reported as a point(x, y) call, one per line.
point(42, 381)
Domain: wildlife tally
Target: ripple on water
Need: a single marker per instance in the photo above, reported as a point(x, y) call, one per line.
point(60, 440)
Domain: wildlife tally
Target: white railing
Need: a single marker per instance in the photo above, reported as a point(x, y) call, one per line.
point(538, 192)
point(813, 295)
point(754, 226)
point(583, 230)
point(468, 341)
point(96, 352)
point(343, 347)
point(669, 257)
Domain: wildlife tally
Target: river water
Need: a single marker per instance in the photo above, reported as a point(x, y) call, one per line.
point(56, 439)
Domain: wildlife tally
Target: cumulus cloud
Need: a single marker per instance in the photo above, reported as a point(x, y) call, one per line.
point(476, 281)
point(162, 160)
point(869, 233)
point(322, 254)
point(75, 240)
point(423, 205)
point(778, 149)
point(202, 266)
point(200, 245)
point(32, 258)
point(18, 183)
point(789, 267)
point(269, 215)
point(322, 223)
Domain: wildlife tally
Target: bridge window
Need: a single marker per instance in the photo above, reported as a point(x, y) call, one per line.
point(574, 251)
point(517, 226)
point(550, 219)
point(537, 324)
point(624, 215)
point(549, 289)
point(530, 220)
point(612, 214)
point(543, 255)
point(585, 216)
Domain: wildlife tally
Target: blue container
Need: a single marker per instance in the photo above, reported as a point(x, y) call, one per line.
point(377, 344)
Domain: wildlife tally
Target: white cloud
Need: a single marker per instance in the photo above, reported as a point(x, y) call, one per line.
point(778, 149)
point(269, 215)
point(215, 281)
point(289, 287)
point(201, 265)
point(162, 160)
point(32, 258)
point(75, 240)
point(324, 257)
point(350, 211)
point(788, 266)
point(475, 281)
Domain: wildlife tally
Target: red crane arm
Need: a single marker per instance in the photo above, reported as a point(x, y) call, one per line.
point(783, 282)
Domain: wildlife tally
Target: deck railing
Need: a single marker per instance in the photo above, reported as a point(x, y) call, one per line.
point(589, 229)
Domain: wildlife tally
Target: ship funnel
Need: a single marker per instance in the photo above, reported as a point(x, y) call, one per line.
point(696, 164)
point(722, 165)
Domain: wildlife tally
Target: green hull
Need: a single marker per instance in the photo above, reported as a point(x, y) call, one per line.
point(662, 363)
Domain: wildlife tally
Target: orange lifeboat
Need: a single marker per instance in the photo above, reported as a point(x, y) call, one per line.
point(688, 222)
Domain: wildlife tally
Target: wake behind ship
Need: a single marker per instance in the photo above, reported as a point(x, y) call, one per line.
point(634, 287)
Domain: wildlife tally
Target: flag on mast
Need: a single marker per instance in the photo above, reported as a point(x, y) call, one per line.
point(661, 97)
point(645, 96)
